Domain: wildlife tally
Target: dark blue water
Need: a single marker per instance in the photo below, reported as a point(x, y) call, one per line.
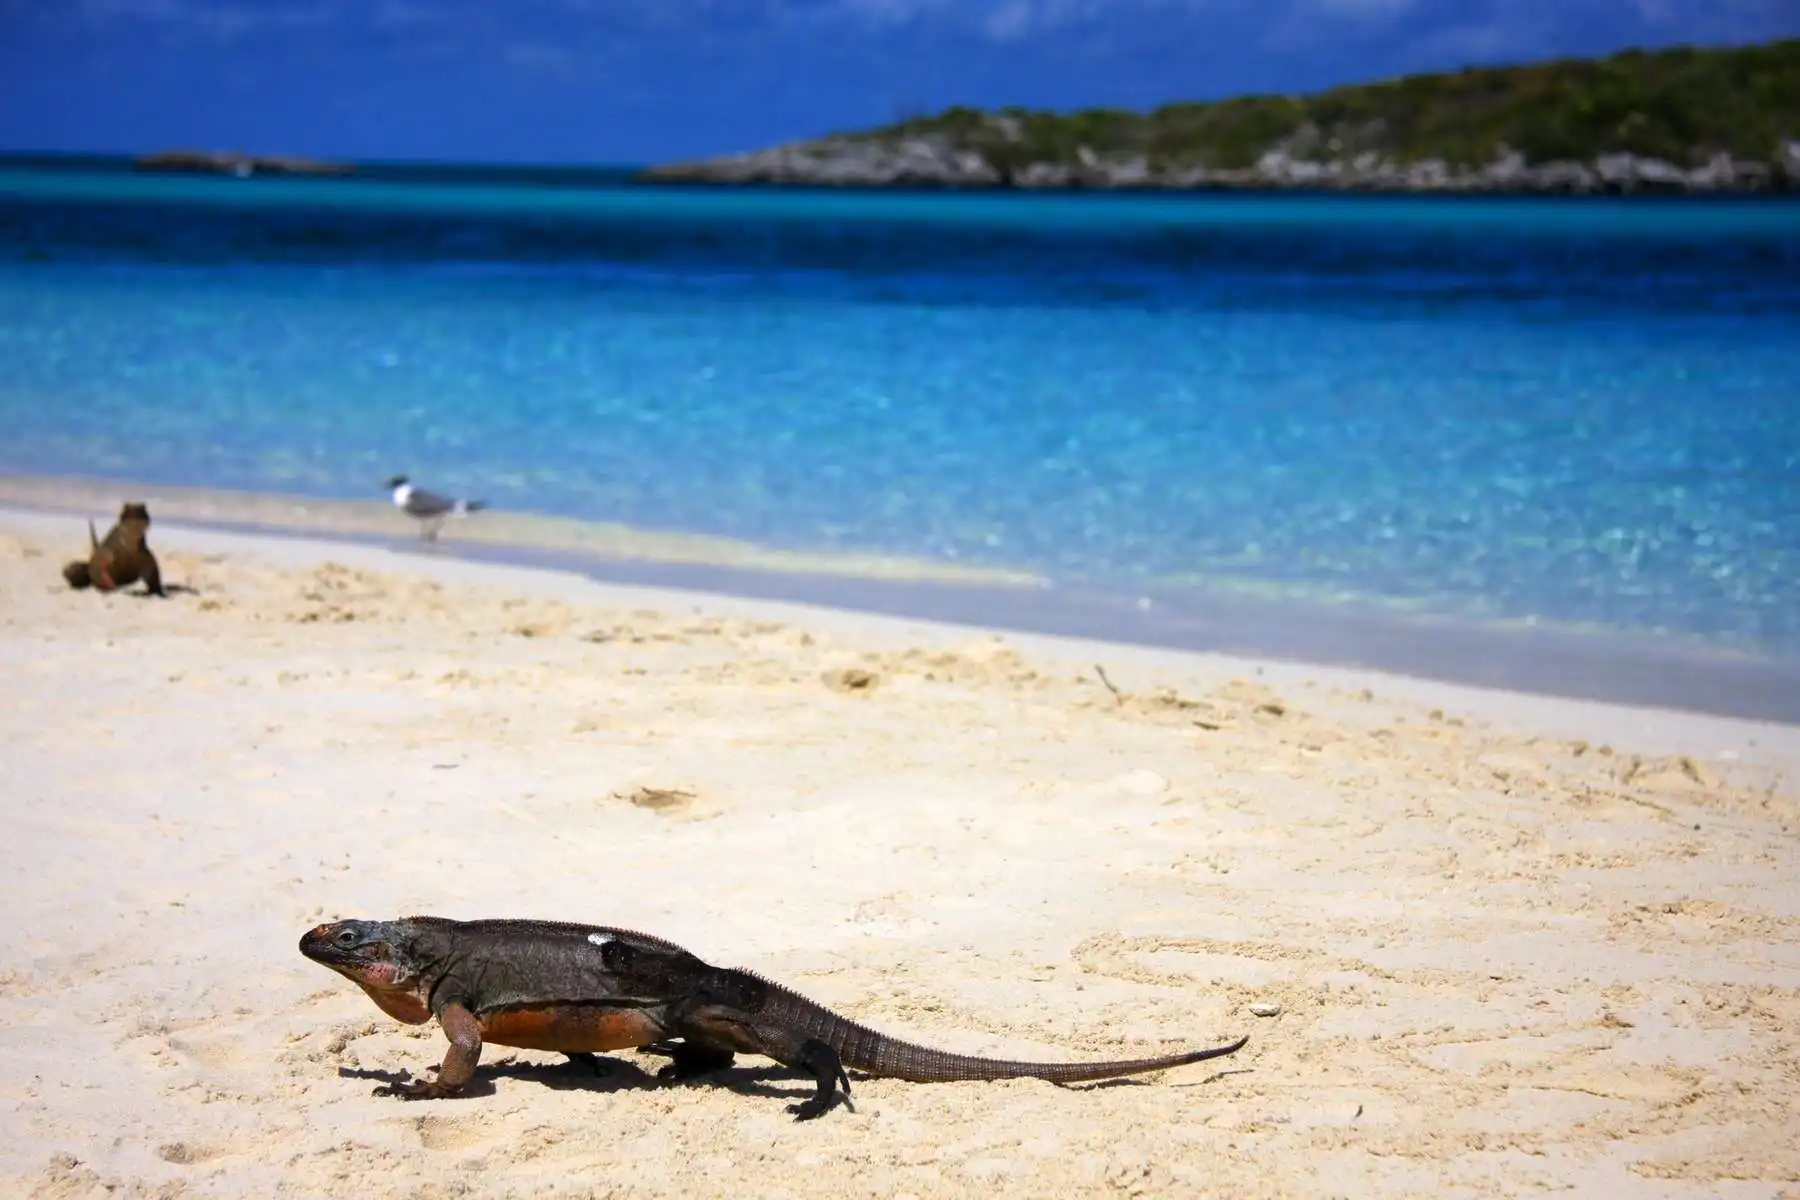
point(1576, 410)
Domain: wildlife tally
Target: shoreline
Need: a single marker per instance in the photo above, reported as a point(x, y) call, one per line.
point(675, 200)
point(281, 512)
point(676, 176)
point(1538, 661)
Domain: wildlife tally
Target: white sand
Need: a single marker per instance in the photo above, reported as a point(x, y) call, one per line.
point(1506, 959)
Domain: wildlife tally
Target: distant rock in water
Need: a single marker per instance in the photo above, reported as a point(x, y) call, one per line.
point(1683, 120)
point(231, 162)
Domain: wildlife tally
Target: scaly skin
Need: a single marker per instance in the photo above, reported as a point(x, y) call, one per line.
point(121, 558)
point(582, 989)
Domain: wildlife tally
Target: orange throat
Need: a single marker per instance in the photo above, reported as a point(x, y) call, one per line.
point(402, 1004)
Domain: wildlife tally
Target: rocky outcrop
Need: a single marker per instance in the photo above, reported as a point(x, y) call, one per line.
point(231, 162)
point(939, 161)
point(844, 162)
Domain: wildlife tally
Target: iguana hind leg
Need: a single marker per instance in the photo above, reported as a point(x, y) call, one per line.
point(601, 1066)
point(690, 1059)
point(706, 1022)
point(827, 1069)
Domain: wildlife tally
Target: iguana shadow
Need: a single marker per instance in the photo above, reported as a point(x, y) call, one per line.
point(603, 1074)
point(170, 591)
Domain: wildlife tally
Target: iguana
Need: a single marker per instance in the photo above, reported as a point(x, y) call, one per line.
point(121, 558)
point(581, 989)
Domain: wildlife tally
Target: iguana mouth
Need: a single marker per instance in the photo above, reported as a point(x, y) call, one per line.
point(323, 944)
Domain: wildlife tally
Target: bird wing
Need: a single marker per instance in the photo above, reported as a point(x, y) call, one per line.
point(428, 504)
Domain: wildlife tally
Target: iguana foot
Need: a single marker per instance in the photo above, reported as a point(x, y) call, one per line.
point(599, 1065)
point(415, 1089)
point(691, 1061)
point(822, 1062)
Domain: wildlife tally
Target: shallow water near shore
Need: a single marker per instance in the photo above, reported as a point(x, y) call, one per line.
point(1476, 413)
point(1241, 618)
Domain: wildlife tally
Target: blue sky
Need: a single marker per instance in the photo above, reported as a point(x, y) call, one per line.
point(627, 81)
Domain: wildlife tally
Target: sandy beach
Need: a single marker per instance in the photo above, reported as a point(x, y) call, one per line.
point(1512, 943)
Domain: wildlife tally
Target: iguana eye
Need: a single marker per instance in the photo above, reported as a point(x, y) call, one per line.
point(346, 939)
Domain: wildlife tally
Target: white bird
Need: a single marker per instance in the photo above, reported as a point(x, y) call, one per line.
point(430, 508)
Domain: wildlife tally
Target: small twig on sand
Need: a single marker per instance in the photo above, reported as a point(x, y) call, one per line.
point(1110, 685)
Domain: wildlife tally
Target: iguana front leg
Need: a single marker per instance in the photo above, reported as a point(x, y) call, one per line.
point(152, 575)
point(459, 1061)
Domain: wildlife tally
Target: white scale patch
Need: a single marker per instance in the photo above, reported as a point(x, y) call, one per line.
point(600, 939)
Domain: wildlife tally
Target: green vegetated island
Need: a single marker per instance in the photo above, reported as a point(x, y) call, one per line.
point(1677, 120)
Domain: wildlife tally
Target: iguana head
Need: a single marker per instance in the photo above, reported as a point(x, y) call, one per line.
point(381, 957)
point(134, 522)
point(369, 952)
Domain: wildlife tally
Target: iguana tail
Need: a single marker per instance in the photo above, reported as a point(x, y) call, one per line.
point(79, 574)
point(864, 1049)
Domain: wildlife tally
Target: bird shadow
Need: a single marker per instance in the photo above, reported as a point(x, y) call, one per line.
point(170, 591)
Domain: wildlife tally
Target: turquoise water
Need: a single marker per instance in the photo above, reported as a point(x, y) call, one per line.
point(1576, 410)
